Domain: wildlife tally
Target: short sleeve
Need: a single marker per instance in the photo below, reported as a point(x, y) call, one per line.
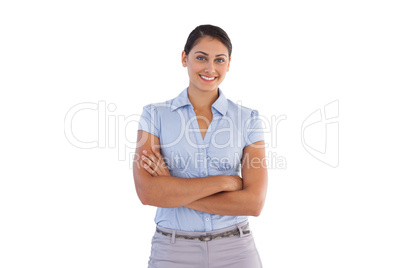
point(254, 129)
point(149, 120)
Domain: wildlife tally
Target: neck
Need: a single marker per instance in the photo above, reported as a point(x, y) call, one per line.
point(202, 99)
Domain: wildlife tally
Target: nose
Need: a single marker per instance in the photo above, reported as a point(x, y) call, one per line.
point(210, 68)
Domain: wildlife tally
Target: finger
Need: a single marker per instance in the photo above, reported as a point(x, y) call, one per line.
point(149, 162)
point(161, 162)
point(149, 170)
point(150, 155)
point(157, 168)
point(157, 159)
point(152, 165)
point(156, 152)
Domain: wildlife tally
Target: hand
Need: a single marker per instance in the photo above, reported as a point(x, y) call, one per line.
point(236, 183)
point(153, 163)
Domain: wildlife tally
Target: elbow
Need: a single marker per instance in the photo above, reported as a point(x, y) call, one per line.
point(145, 200)
point(257, 207)
point(142, 188)
point(256, 211)
point(147, 197)
point(143, 194)
point(254, 202)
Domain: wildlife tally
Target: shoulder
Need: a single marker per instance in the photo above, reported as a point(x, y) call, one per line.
point(153, 115)
point(244, 111)
point(159, 107)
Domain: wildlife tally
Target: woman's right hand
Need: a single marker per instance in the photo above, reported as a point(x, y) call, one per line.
point(154, 163)
point(235, 183)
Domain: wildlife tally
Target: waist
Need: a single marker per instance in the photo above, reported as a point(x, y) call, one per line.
point(185, 219)
point(168, 232)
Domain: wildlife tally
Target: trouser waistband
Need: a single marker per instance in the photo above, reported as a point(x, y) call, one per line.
point(235, 230)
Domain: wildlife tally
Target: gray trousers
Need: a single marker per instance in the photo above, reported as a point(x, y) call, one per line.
point(233, 252)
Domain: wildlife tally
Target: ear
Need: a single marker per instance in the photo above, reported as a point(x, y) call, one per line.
point(184, 59)
point(227, 70)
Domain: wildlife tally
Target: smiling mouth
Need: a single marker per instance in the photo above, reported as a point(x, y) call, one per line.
point(208, 79)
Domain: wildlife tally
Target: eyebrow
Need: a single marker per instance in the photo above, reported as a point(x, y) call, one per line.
point(208, 55)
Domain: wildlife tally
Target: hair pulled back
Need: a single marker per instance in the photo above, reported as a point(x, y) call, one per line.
point(207, 30)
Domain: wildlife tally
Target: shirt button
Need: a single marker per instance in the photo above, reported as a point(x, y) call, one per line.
point(202, 150)
point(207, 219)
point(204, 173)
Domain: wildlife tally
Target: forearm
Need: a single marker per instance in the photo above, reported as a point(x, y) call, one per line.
point(164, 191)
point(237, 203)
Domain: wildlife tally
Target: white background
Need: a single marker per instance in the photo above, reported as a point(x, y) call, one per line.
point(65, 206)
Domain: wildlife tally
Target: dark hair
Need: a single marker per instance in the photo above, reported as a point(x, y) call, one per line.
point(207, 30)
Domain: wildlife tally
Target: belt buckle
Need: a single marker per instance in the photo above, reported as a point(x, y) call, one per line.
point(205, 238)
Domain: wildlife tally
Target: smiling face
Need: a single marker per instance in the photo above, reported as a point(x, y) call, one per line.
point(207, 63)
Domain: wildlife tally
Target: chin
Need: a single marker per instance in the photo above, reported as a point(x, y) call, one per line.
point(208, 89)
point(205, 88)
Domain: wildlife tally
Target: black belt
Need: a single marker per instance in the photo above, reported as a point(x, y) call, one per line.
point(235, 232)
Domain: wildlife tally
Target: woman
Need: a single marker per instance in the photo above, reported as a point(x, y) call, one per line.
point(193, 149)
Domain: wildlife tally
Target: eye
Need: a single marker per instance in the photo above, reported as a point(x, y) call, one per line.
point(200, 58)
point(220, 60)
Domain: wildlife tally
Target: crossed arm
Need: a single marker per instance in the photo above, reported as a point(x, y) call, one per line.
point(222, 194)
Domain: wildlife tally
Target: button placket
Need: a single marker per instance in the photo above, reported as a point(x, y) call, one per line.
point(208, 221)
point(203, 158)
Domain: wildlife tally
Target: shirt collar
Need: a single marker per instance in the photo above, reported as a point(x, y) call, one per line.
point(180, 101)
point(221, 104)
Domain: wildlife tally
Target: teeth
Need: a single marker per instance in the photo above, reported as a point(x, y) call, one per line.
point(207, 78)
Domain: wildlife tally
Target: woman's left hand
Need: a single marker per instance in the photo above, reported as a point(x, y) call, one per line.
point(153, 163)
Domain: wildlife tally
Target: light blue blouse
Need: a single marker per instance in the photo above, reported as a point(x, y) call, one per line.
point(188, 155)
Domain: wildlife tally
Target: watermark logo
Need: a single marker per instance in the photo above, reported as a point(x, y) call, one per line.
point(112, 128)
point(320, 134)
point(115, 131)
